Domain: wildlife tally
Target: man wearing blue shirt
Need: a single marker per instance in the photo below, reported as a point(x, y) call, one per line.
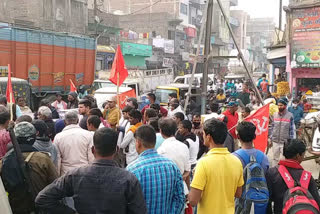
point(297, 112)
point(160, 178)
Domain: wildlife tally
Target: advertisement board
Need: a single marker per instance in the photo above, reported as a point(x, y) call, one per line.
point(305, 41)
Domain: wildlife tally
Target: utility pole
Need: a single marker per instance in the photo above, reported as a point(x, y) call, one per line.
point(206, 57)
point(239, 51)
point(280, 16)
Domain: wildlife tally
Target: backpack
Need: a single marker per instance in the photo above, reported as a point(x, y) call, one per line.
point(255, 190)
point(15, 183)
point(297, 199)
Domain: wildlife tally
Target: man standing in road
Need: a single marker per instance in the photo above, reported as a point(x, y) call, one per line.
point(98, 188)
point(297, 112)
point(219, 175)
point(244, 95)
point(160, 178)
point(113, 115)
point(84, 108)
point(59, 104)
point(282, 130)
point(128, 143)
point(174, 107)
point(232, 117)
point(74, 145)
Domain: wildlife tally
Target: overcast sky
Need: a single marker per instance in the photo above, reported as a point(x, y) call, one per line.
point(262, 8)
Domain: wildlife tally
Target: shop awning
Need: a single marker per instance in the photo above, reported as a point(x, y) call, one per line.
point(105, 49)
point(277, 53)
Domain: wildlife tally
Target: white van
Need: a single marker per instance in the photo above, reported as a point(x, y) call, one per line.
point(196, 81)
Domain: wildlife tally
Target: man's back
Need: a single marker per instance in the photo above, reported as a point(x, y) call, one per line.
point(98, 188)
point(176, 151)
point(253, 152)
point(74, 148)
point(161, 182)
point(218, 175)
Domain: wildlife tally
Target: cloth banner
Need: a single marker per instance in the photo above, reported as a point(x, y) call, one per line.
point(124, 96)
point(261, 120)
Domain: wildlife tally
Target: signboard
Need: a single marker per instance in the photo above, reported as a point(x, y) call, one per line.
point(305, 48)
point(167, 62)
point(3, 71)
point(58, 77)
point(169, 46)
point(33, 73)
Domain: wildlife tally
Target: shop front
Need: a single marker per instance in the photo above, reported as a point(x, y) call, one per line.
point(304, 79)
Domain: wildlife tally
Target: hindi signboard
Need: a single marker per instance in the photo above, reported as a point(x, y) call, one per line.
point(305, 48)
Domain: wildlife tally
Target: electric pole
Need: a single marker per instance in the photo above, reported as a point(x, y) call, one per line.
point(280, 16)
point(206, 57)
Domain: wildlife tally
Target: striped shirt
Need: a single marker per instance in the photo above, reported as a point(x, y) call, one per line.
point(161, 183)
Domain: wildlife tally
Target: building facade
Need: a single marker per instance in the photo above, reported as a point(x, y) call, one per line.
point(54, 15)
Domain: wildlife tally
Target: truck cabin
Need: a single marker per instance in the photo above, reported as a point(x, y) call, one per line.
point(162, 92)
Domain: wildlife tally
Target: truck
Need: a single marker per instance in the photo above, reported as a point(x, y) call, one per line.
point(47, 60)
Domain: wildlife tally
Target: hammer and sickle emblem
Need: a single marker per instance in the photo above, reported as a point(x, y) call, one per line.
point(261, 127)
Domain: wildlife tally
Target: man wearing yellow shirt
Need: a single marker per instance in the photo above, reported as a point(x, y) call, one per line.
point(219, 175)
point(113, 115)
point(221, 98)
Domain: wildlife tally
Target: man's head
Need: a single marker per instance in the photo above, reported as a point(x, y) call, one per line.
point(95, 111)
point(125, 111)
point(135, 117)
point(245, 112)
point(196, 120)
point(71, 118)
point(45, 102)
point(244, 88)
point(246, 132)
point(151, 97)
point(174, 103)
point(104, 143)
point(294, 149)
point(24, 118)
point(145, 138)
point(184, 127)
point(220, 92)
point(282, 104)
point(172, 95)
point(21, 102)
point(233, 106)
point(214, 107)
point(214, 132)
point(58, 97)
point(44, 113)
point(4, 117)
point(151, 113)
point(178, 117)
point(264, 76)
point(84, 107)
point(305, 101)
point(93, 123)
point(155, 107)
point(25, 133)
point(3, 100)
point(132, 102)
point(72, 96)
point(41, 127)
point(112, 102)
point(295, 103)
point(154, 122)
point(168, 127)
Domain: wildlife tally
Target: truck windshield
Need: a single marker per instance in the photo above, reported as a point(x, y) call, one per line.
point(162, 95)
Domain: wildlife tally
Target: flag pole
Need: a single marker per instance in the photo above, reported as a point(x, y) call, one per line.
point(118, 99)
point(10, 95)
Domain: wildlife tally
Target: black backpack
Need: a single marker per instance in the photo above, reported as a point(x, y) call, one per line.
point(15, 183)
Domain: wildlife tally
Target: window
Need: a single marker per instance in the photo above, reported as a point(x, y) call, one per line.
point(98, 65)
point(184, 9)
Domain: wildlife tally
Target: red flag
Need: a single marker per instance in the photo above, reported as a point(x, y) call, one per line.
point(73, 88)
point(124, 96)
point(9, 92)
point(118, 69)
point(261, 120)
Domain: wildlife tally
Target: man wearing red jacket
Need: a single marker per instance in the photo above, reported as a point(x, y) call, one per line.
point(232, 117)
point(151, 99)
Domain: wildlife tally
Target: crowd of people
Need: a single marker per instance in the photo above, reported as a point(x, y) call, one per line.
point(153, 160)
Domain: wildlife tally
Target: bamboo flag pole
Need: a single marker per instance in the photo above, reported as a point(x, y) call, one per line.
point(118, 99)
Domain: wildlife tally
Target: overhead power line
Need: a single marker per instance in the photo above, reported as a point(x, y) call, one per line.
point(145, 7)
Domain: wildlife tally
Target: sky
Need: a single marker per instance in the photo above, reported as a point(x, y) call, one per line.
point(262, 8)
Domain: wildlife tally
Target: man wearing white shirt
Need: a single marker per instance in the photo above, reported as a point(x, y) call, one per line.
point(174, 107)
point(173, 149)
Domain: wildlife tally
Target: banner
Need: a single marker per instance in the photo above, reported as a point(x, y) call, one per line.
point(124, 96)
point(261, 120)
point(169, 46)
